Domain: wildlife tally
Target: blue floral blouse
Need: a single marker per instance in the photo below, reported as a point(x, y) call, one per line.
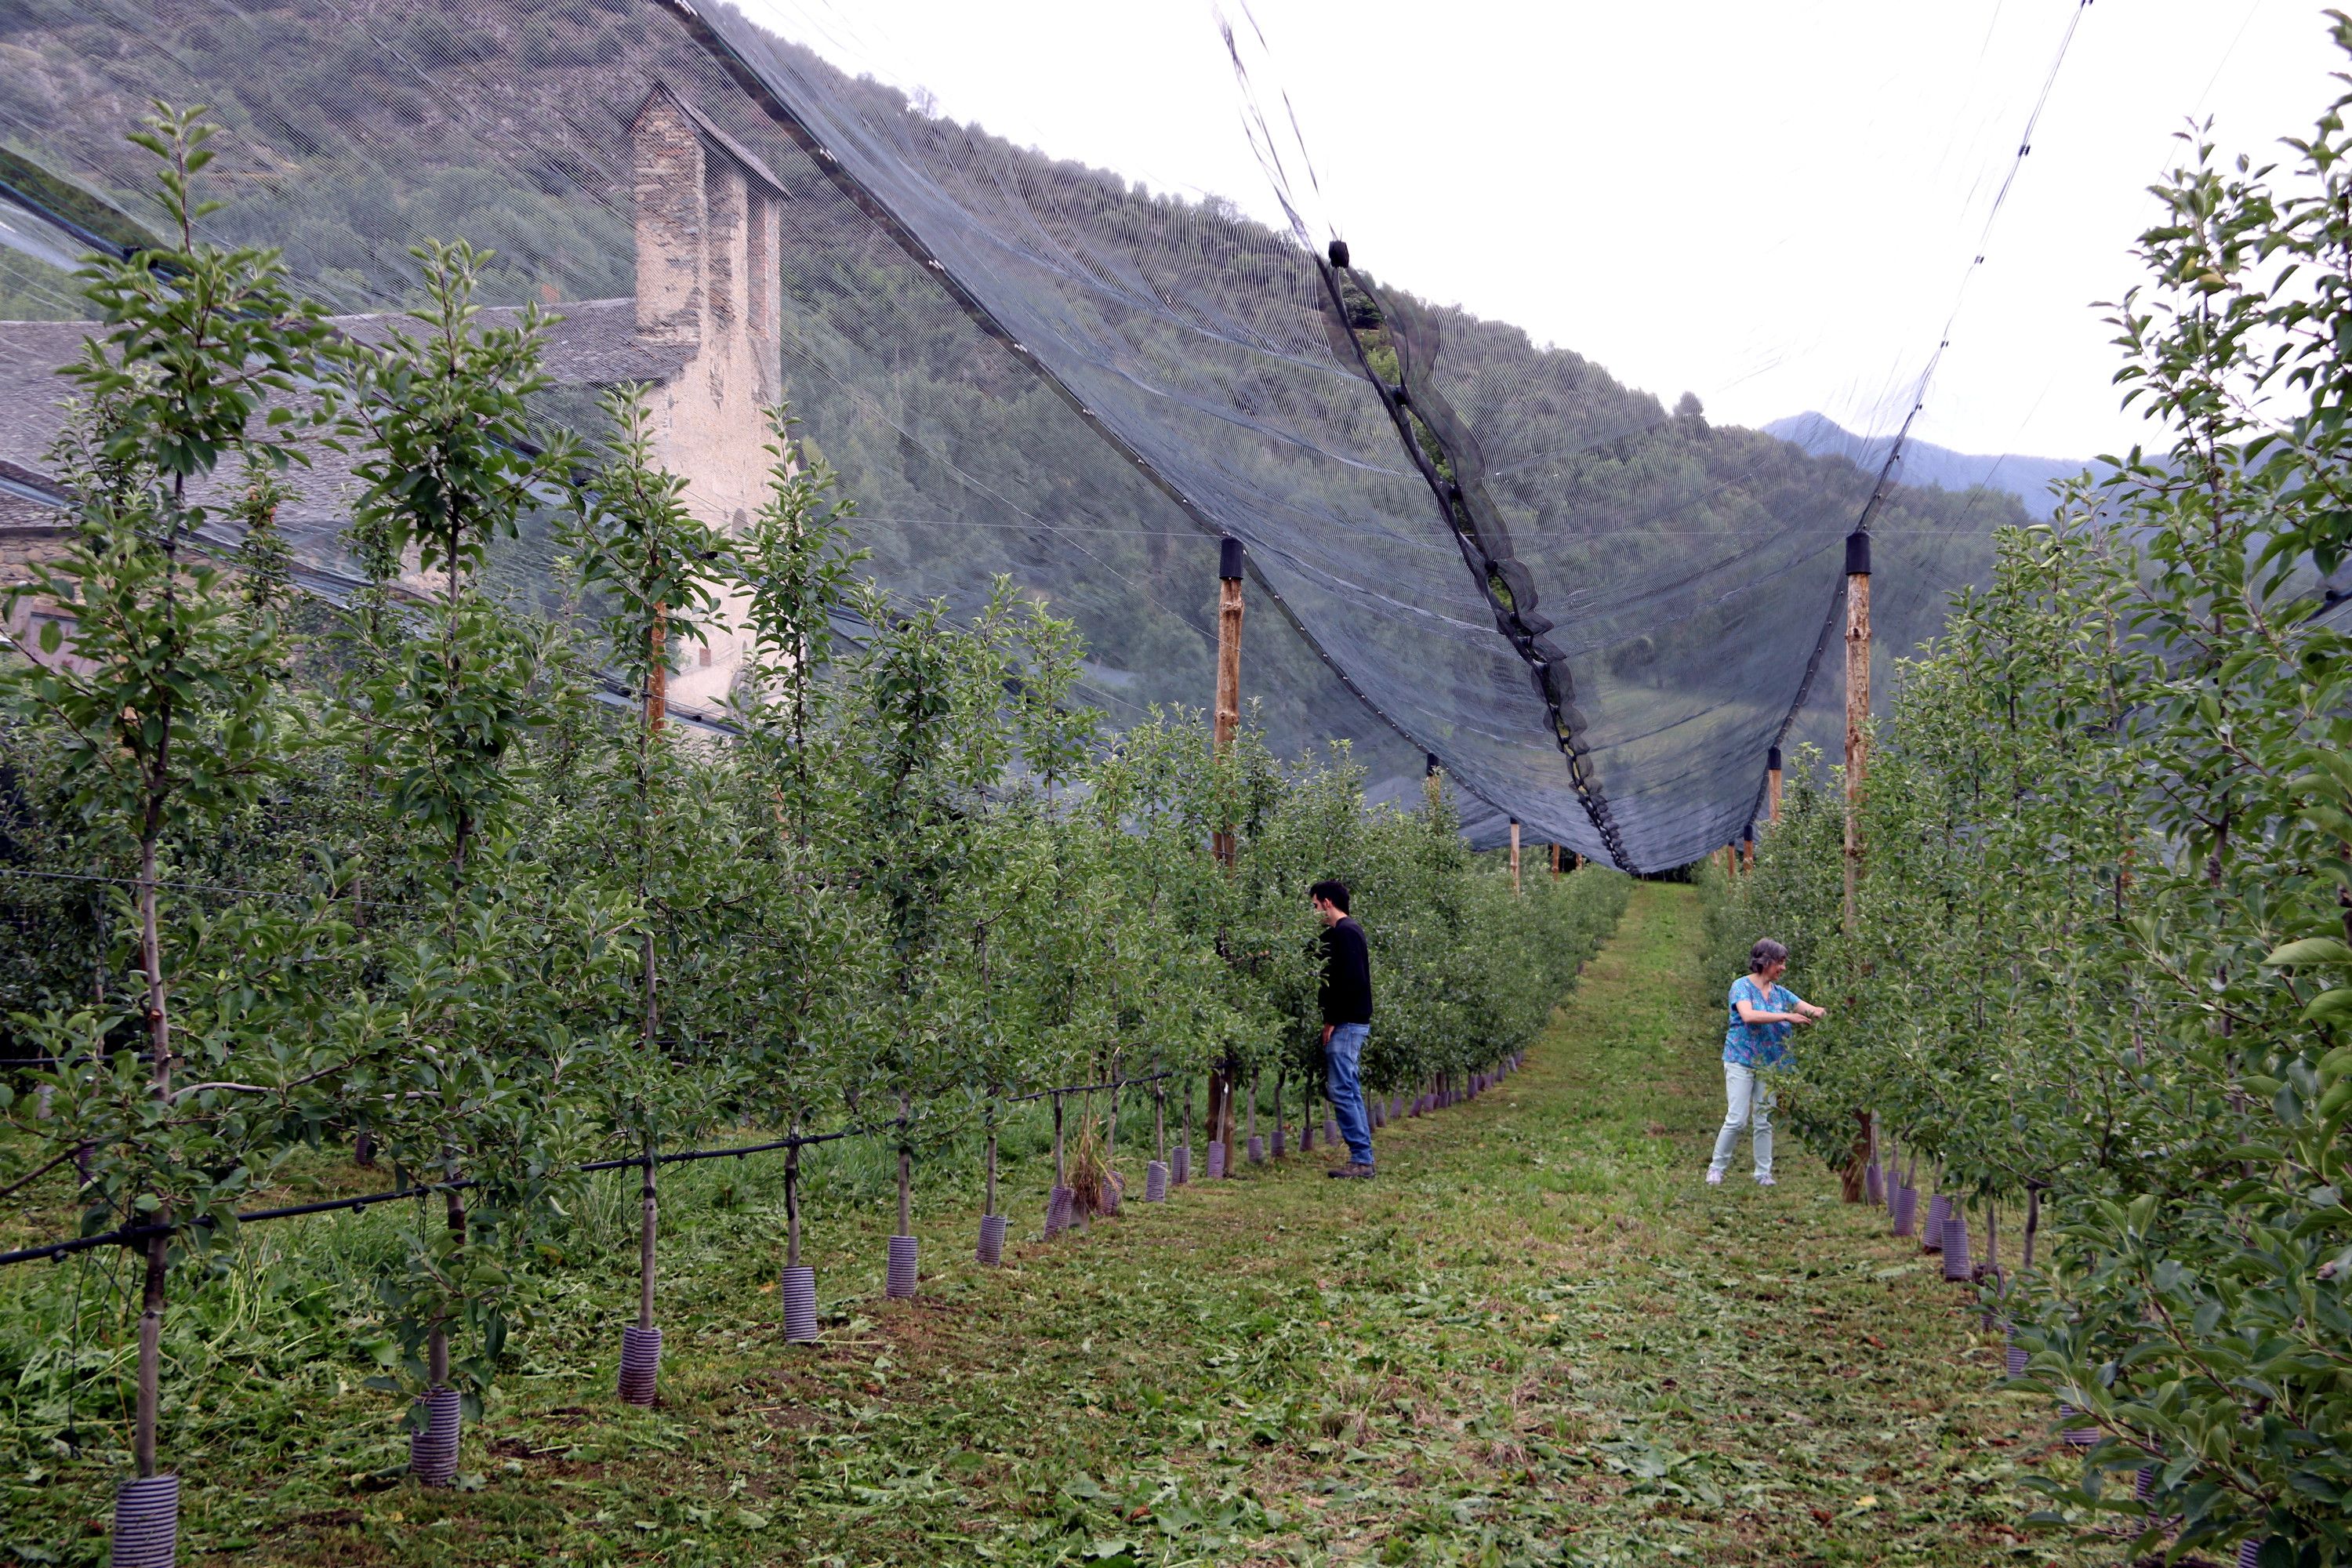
point(1758, 1044)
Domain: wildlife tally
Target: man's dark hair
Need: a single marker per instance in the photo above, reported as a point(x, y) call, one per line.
point(1334, 894)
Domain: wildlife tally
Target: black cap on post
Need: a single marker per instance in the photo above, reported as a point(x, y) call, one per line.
point(1432, 769)
point(1857, 553)
point(1229, 559)
point(1340, 253)
point(1748, 833)
point(1772, 762)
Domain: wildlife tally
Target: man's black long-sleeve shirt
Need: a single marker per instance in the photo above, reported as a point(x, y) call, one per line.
point(1347, 974)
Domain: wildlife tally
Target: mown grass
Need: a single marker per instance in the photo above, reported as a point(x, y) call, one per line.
point(1536, 1338)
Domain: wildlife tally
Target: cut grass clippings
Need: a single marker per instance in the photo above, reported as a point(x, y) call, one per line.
point(1537, 1337)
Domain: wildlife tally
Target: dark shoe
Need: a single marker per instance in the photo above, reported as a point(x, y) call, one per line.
point(1350, 1171)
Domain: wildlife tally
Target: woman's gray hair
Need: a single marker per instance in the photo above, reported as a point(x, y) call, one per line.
point(1765, 954)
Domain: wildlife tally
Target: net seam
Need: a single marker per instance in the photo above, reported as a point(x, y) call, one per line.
point(1567, 733)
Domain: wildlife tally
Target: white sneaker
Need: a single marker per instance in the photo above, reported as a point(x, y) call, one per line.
point(1715, 1178)
point(1766, 1181)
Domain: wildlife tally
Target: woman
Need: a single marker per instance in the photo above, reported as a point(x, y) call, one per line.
point(1763, 1012)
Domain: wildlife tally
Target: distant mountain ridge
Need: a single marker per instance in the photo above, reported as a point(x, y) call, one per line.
point(1925, 463)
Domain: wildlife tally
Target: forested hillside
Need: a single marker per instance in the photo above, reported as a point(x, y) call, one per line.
point(358, 128)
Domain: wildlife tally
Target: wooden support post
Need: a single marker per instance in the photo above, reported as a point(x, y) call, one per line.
point(1226, 719)
point(1858, 767)
point(1514, 854)
point(1772, 788)
point(1857, 704)
point(1747, 848)
point(1554, 859)
point(1228, 711)
point(1432, 783)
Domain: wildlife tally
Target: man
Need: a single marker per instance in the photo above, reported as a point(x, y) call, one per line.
point(1347, 1023)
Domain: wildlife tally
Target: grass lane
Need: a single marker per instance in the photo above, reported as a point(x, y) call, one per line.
point(1536, 1338)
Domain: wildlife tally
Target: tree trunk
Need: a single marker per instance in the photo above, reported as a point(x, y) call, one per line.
point(905, 1171)
point(150, 1353)
point(793, 1206)
point(1851, 1180)
point(158, 1045)
point(1225, 1123)
point(646, 1245)
point(436, 1345)
point(1214, 1113)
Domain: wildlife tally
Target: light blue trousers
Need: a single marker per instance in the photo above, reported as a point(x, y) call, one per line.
point(1750, 1101)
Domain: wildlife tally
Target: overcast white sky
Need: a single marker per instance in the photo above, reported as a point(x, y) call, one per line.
point(1772, 204)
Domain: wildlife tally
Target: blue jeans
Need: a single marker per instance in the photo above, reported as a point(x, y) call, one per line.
point(1341, 1058)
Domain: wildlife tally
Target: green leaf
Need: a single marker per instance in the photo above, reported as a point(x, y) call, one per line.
point(2310, 950)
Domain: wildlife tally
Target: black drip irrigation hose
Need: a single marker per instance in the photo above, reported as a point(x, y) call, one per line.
point(130, 1236)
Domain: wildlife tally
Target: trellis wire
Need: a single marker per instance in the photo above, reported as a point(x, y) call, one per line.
point(130, 1234)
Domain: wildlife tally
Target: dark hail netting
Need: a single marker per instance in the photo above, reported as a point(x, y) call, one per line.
point(1596, 613)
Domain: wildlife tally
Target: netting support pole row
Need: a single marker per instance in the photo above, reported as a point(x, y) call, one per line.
point(1514, 854)
point(1857, 765)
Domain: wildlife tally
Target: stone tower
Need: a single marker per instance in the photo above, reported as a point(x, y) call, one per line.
point(707, 225)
